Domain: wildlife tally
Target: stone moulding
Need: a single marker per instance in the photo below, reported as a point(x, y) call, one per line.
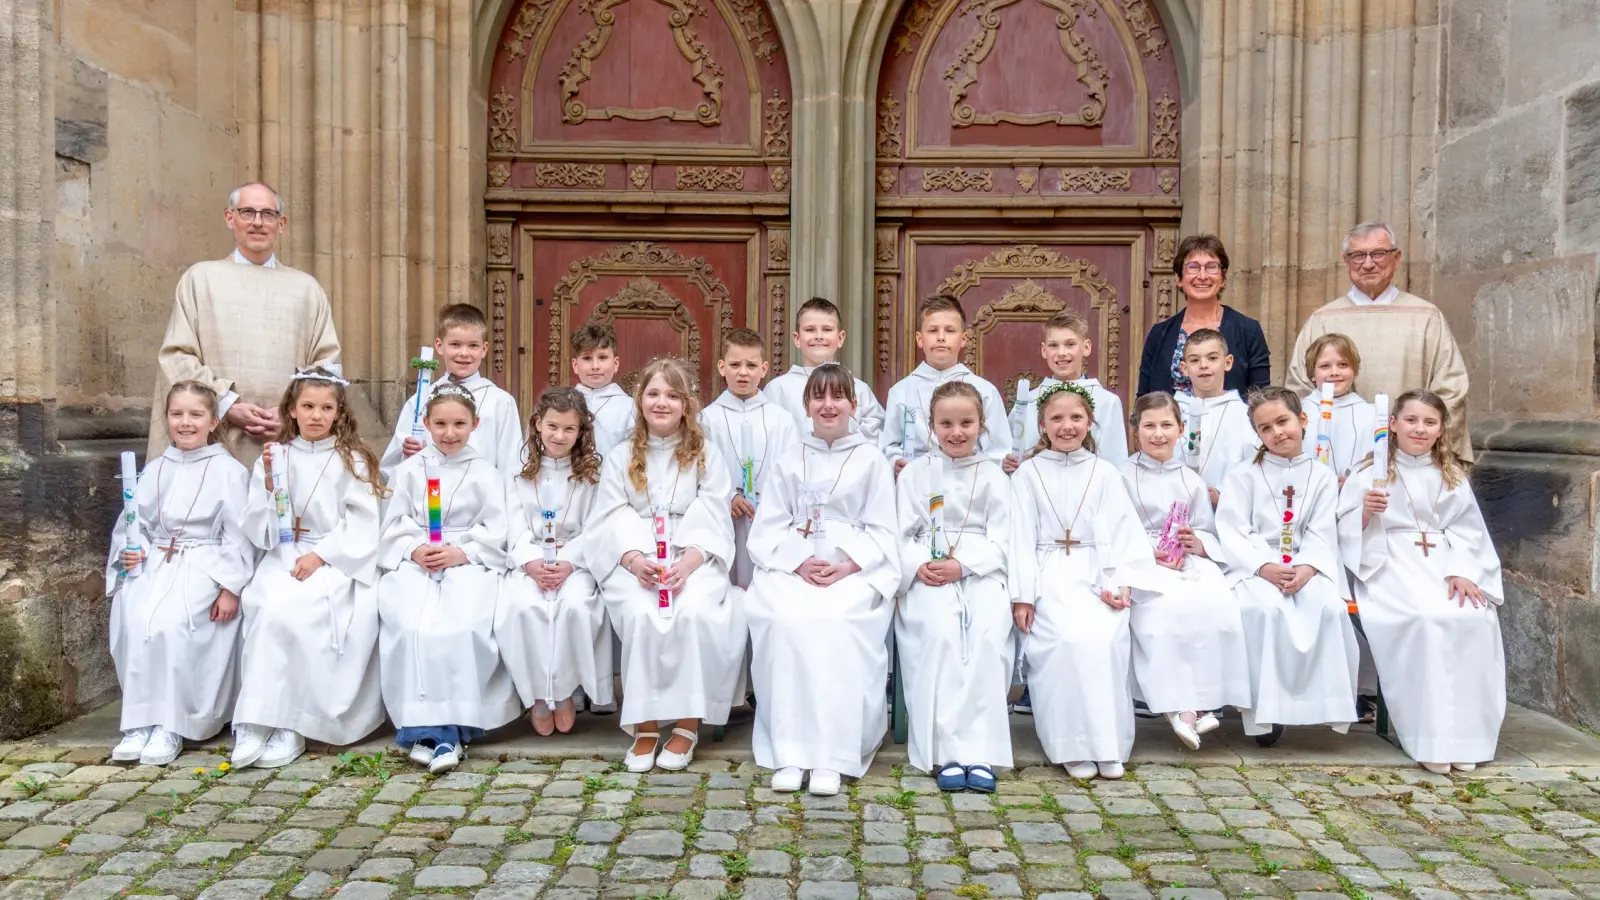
point(957, 179)
point(709, 178)
point(577, 70)
point(963, 73)
point(1096, 180)
point(569, 175)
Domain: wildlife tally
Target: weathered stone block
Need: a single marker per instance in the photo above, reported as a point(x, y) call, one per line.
point(1506, 172)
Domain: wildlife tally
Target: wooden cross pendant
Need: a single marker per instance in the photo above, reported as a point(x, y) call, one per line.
point(806, 530)
point(1067, 543)
point(171, 547)
point(1288, 494)
point(1424, 543)
point(299, 531)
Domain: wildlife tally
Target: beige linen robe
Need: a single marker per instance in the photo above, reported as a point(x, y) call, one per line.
point(1404, 345)
point(244, 329)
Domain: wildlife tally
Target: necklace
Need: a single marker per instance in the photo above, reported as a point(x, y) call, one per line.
point(755, 471)
point(1206, 447)
point(161, 510)
point(300, 531)
point(804, 480)
point(445, 516)
point(1139, 495)
point(1286, 534)
point(1416, 519)
point(1066, 542)
point(971, 495)
point(671, 495)
point(565, 509)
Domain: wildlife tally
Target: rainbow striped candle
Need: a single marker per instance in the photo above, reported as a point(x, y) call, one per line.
point(435, 513)
point(1380, 440)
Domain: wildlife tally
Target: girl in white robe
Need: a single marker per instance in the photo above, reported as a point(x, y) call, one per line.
point(443, 682)
point(1279, 535)
point(953, 625)
point(680, 656)
point(1078, 552)
point(822, 597)
point(550, 623)
point(1188, 640)
point(174, 620)
point(1428, 585)
point(309, 668)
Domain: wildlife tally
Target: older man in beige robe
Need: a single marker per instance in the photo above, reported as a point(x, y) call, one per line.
point(243, 324)
point(1404, 340)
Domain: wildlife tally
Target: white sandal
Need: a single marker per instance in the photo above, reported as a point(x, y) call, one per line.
point(642, 762)
point(677, 762)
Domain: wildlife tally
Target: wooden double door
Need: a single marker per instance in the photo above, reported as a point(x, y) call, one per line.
point(1026, 161)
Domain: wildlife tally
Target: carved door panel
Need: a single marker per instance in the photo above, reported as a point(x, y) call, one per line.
point(1027, 162)
point(638, 176)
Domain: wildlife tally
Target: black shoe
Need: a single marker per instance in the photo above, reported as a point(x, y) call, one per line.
point(1366, 709)
point(1143, 711)
point(1271, 737)
point(1024, 704)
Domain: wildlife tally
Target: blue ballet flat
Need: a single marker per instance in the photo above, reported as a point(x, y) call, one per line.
point(981, 779)
point(952, 777)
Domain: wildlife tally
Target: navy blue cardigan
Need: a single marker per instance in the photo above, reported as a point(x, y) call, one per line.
point(1252, 361)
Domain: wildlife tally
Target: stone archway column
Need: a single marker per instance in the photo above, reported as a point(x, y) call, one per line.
point(834, 47)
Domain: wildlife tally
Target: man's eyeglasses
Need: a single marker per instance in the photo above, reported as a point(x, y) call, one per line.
point(253, 215)
point(1209, 268)
point(1358, 257)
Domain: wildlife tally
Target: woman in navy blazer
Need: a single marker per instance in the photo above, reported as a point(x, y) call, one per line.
point(1201, 265)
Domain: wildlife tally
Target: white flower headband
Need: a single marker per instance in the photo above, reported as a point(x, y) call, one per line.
point(328, 373)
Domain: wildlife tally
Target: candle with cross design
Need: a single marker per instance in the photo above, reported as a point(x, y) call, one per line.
point(275, 466)
point(435, 519)
point(130, 510)
point(660, 526)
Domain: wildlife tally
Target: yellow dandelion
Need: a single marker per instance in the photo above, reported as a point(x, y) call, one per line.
point(223, 767)
point(199, 771)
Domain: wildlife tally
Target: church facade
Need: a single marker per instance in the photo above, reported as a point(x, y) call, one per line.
point(679, 168)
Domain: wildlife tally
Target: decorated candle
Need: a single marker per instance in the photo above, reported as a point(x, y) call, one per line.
point(425, 365)
point(1193, 416)
point(660, 526)
point(548, 545)
point(1026, 398)
point(1325, 425)
point(1380, 440)
point(747, 460)
point(278, 485)
point(936, 536)
point(1169, 547)
point(130, 507)
point(435, 519)
point(816, 526)
point(908, 426)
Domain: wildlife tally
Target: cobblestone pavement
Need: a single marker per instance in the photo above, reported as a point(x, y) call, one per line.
point(372, 828)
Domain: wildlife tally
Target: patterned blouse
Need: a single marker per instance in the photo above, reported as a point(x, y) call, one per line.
point(1180, 381)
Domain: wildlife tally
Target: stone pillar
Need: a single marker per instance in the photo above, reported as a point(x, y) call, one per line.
point(360, 114)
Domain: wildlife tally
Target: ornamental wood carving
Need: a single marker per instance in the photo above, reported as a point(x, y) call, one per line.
point(775, 137)
point(890, 144)
point(710, 178)
point(502, 122)
point(885, 321)
point(569, 175)
point(1096, 180)
point(1146, 27)
point(1164, 138)
point(957, 179)
point(778, 304)
point(497, 322)
point(752, 18)
point(1025, 302)
point(963, 72)
point(646, 299)
point(529, 18)
point(705, 71)
point(913, 25)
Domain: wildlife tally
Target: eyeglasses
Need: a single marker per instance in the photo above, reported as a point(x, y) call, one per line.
point(253, 215)
point(1209, 268)
point(1357, 257)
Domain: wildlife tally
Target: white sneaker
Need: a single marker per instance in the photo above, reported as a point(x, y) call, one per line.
point(1206, 723)
point(445, 758)
point(1464, 767)
point(677, 762)
point(163, 747)
point(421, 754)
point(1082, 770)
point(248, 743)
point(1110, 769)
point(282, 748)
point(1185, 731)
point(1437, 768)
point(132, 744)
point(787, 780)
point(825, 782)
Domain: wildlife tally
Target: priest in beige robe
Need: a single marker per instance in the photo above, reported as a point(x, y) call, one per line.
point(243, 324)
point(1404, 340)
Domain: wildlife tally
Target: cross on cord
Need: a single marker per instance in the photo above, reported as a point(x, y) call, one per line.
point(1068, 543)
point(299, 531)
point(1424, 543)
point(806, 530)
point(172, 547)
point(1288, 494)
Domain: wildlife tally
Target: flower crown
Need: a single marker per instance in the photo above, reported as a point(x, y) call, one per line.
point(327, 373)
point(451, 389)
point(1054, 389)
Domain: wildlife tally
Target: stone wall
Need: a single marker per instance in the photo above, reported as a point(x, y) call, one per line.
point(1517, 225)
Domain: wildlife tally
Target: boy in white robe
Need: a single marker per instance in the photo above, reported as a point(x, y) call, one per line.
point(1066, 348)
point(594, 364)
point(443, 682)
point(743, 413)
point(819, 335)
point(681, 622)
point(1218, 434)
point(175, 600)
point(953, 625)
point(1079, 552)
point(1279, 535)
point(941, 336)
point(309, 668)
point(1428, 585)
point(550, 623)
point(461, 342)
point(827, 570)
point(1188, 640)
